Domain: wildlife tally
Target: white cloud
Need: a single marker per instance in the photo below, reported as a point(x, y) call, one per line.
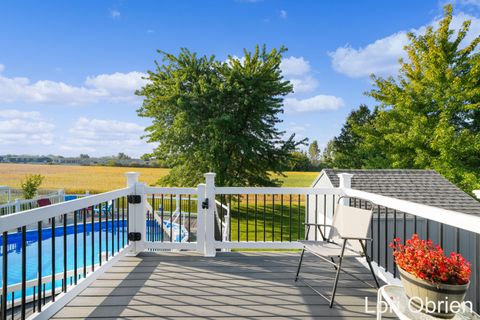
point(102, 88)
point(381, 57)
point(305, 84)
point(283, 14)
point(105, 136)
point(298, 71)
point(316, 103)
point(114, 14)
point(475, 3)
point(21, 128)
point(2, 67)
point(293, 66)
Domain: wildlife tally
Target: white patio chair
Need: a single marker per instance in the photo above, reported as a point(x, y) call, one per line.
point(346, 238)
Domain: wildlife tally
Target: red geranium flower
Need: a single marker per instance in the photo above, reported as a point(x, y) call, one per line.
point(426, 261)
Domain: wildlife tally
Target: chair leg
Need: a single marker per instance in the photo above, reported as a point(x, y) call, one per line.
point(300, 264)
point(338, 273)
point(334, 265)
point(369, 264)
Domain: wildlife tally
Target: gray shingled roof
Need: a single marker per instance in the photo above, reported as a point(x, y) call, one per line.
point(420, 186)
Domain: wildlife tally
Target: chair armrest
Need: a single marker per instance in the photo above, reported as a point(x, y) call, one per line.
point(355, 238)
point(318, 224)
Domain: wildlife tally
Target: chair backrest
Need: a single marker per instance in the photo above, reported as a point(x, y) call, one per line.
point(44, 202)
point(350, 222)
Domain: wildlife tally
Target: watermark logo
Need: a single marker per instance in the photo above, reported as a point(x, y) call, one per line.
point(418, 305)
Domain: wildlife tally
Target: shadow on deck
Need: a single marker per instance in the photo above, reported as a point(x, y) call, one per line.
point(232, 285)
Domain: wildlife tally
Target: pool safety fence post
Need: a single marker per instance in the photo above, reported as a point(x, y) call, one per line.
point(137, 208)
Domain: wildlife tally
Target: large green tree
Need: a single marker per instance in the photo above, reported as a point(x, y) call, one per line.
point(219, 116)
point(429, 116)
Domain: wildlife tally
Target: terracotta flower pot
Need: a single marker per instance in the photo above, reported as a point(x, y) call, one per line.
point(435, 300)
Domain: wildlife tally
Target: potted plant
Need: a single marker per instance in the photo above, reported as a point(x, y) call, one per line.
point(434, 283)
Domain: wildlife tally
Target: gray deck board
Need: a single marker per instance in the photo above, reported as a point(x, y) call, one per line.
point(252, 285)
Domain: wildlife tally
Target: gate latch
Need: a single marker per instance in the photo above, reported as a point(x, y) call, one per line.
point(134, 236)
point(134, 199)
point(205, 204)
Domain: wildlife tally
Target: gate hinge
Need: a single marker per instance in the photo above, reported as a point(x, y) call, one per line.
point(134, 199)
point(205, 204)
point(134, 236)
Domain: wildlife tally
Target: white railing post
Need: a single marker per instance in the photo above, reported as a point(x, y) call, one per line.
point(61, 195)
point(137, 219)
point(345, 182)
point(17, 205)
point(201, 219)
point(210, 250)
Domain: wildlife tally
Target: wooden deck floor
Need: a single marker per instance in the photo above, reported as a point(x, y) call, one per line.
point(250, 285)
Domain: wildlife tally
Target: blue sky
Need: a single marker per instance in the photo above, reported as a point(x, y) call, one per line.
point(68, 69)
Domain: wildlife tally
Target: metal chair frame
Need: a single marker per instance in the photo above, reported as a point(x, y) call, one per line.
point(337, 266)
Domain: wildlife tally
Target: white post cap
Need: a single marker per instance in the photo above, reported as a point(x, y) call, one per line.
point(132, 178)
point(345, 180)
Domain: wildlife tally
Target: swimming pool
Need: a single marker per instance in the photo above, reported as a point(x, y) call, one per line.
point(14, 247)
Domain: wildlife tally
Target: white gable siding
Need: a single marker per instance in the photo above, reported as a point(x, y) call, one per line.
point(317, 206)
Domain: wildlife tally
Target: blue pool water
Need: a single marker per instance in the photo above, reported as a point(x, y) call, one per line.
point(14, 248)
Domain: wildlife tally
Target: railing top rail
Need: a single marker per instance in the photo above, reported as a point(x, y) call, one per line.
point(277, 190)
point(166, 190)
point(27, 217)
point(460, 220)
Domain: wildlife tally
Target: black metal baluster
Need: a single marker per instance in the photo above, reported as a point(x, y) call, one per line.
point(290, 219)
point(404, 227)
point(92, 238)
point(386, 239)
point(180, 216)
point(44, 289)
point(118, 224)
point(316, 216)
point(457, 240)
point(75, 244)
point(307, 218)
point(4, 274)
point(113, 228)
point(427, 229)
point(106, 230)
point(324, 216)
point(128, 221)
point(154, 222)
point(34, 303)
point(171, 218)
point(281, 218)
point(394, 236)
point(161, 219)
point(371, 232)
point(230, 217)
point(24, 269)
point(264, 218)
point(84, 218)
point(255, 216)
point(238, 218)
point(39, 266)
point(246, 227)
point(100, 234)
point(189, 217)
point(378, 235)
point(440, 234)
point(298, 219)
point(273, 217)
point(222, 216)
point(414, 224)
point(53, 260)
point(123, 222)
point(64, 255)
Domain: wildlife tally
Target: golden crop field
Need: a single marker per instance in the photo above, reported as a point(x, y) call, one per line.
point(96, 179)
